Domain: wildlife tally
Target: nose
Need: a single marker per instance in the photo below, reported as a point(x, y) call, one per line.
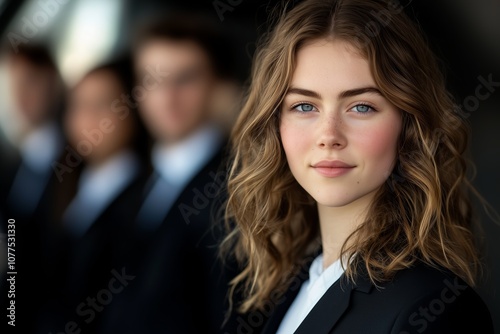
point(331, 132)
point(168, 93)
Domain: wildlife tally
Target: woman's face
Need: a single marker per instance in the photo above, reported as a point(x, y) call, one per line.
point(338, 132)
point(90, 123)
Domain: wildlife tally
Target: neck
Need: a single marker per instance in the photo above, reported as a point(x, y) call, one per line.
point(172, 140)
point(96, 161)
point(30, 128)
point(338, 223)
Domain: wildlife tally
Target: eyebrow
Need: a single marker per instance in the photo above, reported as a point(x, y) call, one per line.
point(342, 95)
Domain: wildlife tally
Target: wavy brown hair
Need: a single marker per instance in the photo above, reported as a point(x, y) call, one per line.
point(421, 213)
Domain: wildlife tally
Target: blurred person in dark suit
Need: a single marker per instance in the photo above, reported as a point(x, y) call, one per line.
point(37, 94)
point(179, 288)
point(109, 138)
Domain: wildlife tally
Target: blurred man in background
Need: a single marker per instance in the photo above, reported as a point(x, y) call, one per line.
point(27, 178)
point(172, 247)
point(36, 89)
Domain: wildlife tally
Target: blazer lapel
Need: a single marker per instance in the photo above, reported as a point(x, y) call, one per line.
point(330, 308)
point(283, 304)
point(276, 317)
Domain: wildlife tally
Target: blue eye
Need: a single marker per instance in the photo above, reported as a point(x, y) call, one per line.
point(362, 108)
point(304, 107)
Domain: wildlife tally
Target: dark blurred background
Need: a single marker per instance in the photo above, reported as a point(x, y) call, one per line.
point(465, 35)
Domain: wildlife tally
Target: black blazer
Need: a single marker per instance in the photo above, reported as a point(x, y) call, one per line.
point(420, 299)
point(31, 231)
point(78, 267)
point(178, 285)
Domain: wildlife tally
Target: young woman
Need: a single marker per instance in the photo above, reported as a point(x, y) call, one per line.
point(349, 152)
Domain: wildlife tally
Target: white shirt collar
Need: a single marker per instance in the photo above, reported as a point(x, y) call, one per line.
point(178, 163)
point(310, 293)
point(321, 279)
point(97, 188)
point(41, 147)
point(102, 181)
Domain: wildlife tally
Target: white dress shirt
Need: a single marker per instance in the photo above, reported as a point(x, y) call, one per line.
point(42, 147)
point(97, 188)
point(175, 166)
point(310, 293)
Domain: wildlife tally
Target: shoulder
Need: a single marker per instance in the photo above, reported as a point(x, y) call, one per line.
point(421, 280)
point(429, 278)
point(434, 300)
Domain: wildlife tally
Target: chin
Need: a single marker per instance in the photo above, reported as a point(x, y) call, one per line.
point(333, 200)
point(341, 199)
point(334, 203)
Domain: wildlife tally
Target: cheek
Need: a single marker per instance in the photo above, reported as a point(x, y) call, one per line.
point(76, 124)
point(117, 126)
point(378, 145)
point(192, 104)
point(296, 141)
point(194, 100)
